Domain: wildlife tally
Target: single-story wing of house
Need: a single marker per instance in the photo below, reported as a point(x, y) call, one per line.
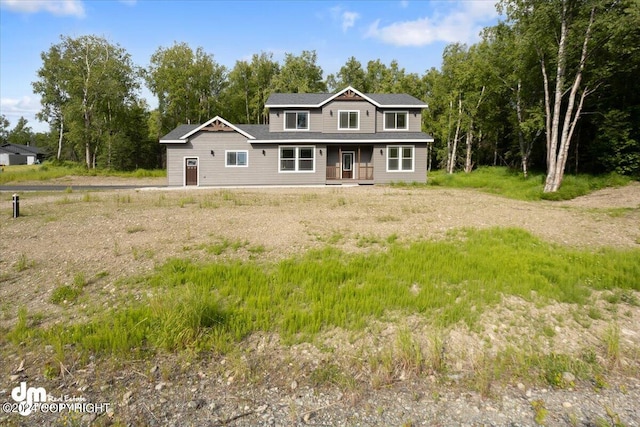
point(17, 154)
point(344, 137)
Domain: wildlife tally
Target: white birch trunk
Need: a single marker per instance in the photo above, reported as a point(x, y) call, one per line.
point(555, 173)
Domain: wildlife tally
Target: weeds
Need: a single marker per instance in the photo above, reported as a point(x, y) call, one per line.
point(55, 169)
point(23, 263)
point(447, 282)
point(612, 344)
point(509, 183)
point(69, 293)
point(541, 412)
point(135, 229)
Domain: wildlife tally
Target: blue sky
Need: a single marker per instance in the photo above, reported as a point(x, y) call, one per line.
point(412, 32)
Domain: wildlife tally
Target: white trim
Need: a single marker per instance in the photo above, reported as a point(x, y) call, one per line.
point(296, 158)
point(400, 147)
point(339, 141)
point(226, 165)
point(353, 161)
point(396, 129)
point(184, 170)
point(237, 129)
point(284, 122)
point(349, 111)
point(173, 141)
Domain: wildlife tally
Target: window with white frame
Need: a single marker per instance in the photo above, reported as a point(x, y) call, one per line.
point(400, 158)
point(236, 158)
point(349, 120)
point(396, 120)
point(297, 159)
point(296, 120)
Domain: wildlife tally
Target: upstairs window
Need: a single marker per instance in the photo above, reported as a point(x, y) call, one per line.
point(296, 120)
point(396, 120)
point(349, 120)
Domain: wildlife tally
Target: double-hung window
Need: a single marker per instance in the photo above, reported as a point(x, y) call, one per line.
point(349, 120)
point(297, 159)
point(236, 158)
point(396, 120)
point(296, 120)
point(400, 158)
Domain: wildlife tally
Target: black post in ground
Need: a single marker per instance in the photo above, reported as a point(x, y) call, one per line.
point(16, 206)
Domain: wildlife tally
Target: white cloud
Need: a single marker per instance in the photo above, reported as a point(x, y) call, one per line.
point(346, 18)
point(55, 7)
point(463, 24)
point(349, 20)
point(17, 106)
point(27, 107)
point(404, 3)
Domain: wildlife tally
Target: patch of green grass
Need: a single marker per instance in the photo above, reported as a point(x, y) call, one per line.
point(512, 184)
point(446, 282)
point(69, 293)
point(65, 294)
point(53, 170)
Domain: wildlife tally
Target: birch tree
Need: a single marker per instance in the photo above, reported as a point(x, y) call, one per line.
point(82, 81)
point(561, 33)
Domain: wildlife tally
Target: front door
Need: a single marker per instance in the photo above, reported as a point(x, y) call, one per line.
point(347, 164)
point(191, 171)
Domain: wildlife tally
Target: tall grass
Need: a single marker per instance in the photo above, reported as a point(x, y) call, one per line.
point(449, 281)
point(512, 184)
point(53, 170)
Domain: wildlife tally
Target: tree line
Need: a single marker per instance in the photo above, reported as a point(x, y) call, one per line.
point(554, 87)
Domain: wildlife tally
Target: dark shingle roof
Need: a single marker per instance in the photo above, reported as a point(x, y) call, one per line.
point(21, 149)
point(317, 99)
point(261, 133)
point(178, 132)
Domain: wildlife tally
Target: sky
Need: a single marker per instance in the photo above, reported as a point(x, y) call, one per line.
point(413, 32)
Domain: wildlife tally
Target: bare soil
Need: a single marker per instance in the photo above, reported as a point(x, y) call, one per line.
point(104, 236)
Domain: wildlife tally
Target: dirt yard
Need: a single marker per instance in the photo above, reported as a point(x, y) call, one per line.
point(104, 236)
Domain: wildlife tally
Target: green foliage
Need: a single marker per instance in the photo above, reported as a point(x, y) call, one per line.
point(187, 84)
point(88, 89)
point(508, 183)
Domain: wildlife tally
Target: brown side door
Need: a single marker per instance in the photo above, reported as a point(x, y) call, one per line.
point(191, 171)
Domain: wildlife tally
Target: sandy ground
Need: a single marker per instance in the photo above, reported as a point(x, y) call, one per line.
point(128, 232)
point(104, 236)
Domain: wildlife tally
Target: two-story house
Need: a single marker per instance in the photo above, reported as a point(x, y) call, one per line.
point(345, 137)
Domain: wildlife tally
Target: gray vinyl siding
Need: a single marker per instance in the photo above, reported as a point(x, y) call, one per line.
point(330, 116)
point(276, 119)
point(380, 174)
point(262, 169)
point(414, 117)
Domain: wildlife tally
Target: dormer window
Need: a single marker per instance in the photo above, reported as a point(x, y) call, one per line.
point(296, 120)
point(349, 120)
point(396, 120)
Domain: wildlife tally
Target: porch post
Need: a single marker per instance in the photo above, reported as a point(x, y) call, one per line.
point(359, 164)
point(339, 162)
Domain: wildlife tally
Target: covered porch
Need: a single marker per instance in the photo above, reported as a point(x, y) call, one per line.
point(350, 164)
